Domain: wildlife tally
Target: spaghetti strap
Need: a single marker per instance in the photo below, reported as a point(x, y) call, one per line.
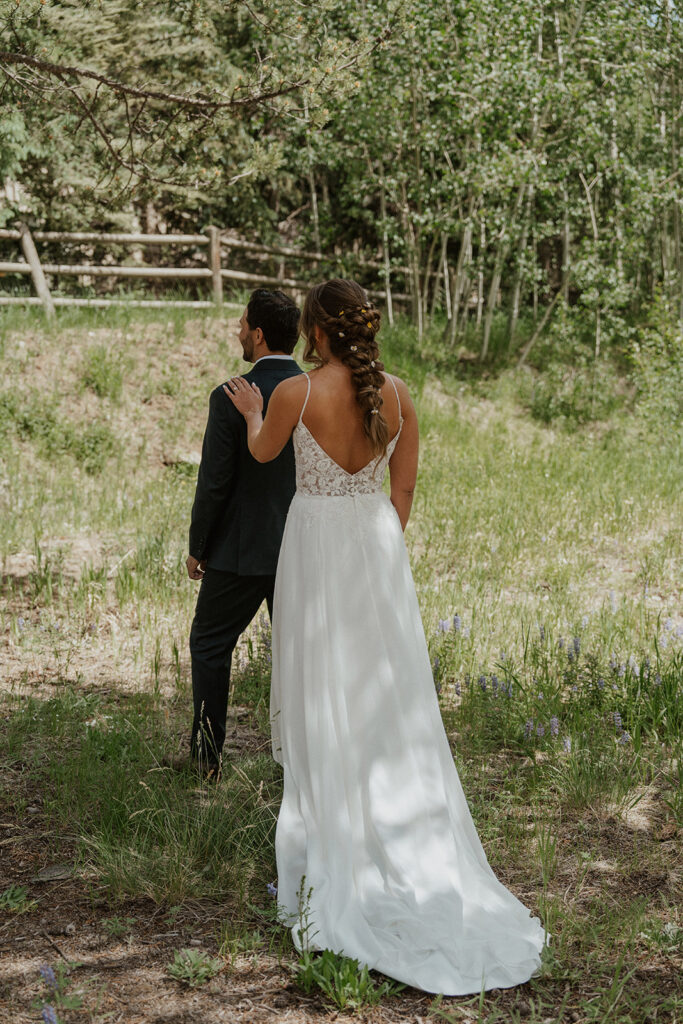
point(308, 391)
point(393, 384)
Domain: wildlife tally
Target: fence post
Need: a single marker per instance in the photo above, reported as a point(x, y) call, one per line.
point(39, 282)
point(215, 264)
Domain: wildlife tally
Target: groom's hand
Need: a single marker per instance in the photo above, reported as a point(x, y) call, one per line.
point(195, 569)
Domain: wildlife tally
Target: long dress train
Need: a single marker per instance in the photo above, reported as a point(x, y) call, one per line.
point(373, 815)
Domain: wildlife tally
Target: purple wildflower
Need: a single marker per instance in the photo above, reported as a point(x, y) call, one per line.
point(540, 730)
point(541, 633)
point(601, 684)
point(554, 726)
point(468, 679)
point(457, 689)
point(20, 622)
point(49, 1015)
point(482, 683)
point(668, 625)
point(444, 626)
point(528, 728)
point(570, 655)
point(457, 623)
point(568, 744)
point(574, 688)
point(494, 683)
point(436, 663)
point(272, 889)
point(560, 643)
point(625, 737)
point(48, 976)
point(577, 645)
point(616, 718)
point(658, 679)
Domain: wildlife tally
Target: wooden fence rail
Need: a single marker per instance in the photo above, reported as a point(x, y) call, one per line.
point(216, 241)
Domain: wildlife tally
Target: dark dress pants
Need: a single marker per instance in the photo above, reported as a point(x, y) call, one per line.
point(225, 606)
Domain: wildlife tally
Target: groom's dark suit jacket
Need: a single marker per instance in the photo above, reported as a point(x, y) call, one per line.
point(240, 505)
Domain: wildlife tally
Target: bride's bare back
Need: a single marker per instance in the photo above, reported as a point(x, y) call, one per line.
point(333, 418)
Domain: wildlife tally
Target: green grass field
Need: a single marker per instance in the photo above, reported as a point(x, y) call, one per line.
point(548, 559)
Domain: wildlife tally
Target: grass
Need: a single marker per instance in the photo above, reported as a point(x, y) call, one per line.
point(547, 553)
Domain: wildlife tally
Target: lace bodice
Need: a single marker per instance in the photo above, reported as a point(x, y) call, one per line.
point(317, 473)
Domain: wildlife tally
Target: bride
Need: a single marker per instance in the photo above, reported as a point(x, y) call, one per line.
point(373, 818)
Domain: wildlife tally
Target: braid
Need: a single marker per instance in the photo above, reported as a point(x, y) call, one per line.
point(341, 309)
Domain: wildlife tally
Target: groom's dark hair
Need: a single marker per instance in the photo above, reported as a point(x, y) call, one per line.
point(278, 317)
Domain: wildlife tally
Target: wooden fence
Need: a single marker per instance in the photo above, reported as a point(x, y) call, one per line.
point(214, 272)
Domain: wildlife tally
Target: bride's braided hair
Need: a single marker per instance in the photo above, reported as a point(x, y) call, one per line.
point(342, 311)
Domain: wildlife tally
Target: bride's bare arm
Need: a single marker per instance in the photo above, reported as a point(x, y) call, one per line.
point(267, 437)
point(403, 463)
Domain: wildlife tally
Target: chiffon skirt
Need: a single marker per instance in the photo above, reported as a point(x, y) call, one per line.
point(374, 827)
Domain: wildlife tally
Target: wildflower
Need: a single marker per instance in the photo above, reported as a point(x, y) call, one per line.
point(616, 718)
point(560, 643)
point(601, 684)
point(528, 727)
point(468, 679)
point(540, 694)
point(622, 671)
point(612, 662)
point(577, 645)
point(541, 633)
point(457, 623)
point(466, 631)
point(540, 730)
point(664, 642)
point(574, 688)
point(443, 626)
point(625, 737)
point(554, 726)
point(658, 679)
point(567, 743)
point(48, 976)
point(272, 889)
point(584, 622)
point(668, 625)
point(457, 689)
point(436, 664)
point(20, 622)
point(49, 1015)
point(502, 655)
point(679, 631)
point(570, 655)
point(509, 690)
point(494, 683)
point(482, 683)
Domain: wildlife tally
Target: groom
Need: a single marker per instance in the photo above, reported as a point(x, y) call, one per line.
point(238, 518)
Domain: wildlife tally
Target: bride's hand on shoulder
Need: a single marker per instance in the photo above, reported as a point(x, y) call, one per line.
point(246, 398)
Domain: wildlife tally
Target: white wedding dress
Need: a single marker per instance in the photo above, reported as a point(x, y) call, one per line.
point(373, 813)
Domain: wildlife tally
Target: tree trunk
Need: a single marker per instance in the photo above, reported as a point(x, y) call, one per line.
point(501, 253)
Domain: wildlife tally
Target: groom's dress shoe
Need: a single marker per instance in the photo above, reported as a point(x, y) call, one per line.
point(186, 765)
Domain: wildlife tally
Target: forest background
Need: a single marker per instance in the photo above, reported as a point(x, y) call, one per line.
point(516, 165)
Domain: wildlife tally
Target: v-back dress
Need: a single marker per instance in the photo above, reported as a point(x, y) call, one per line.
point(373, 817)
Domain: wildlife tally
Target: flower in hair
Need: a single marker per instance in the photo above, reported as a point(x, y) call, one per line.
point(374, 412)
point(354, 348)
point(372, 363)
point(369, 324)
point(341, 312)
point(341, 334)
